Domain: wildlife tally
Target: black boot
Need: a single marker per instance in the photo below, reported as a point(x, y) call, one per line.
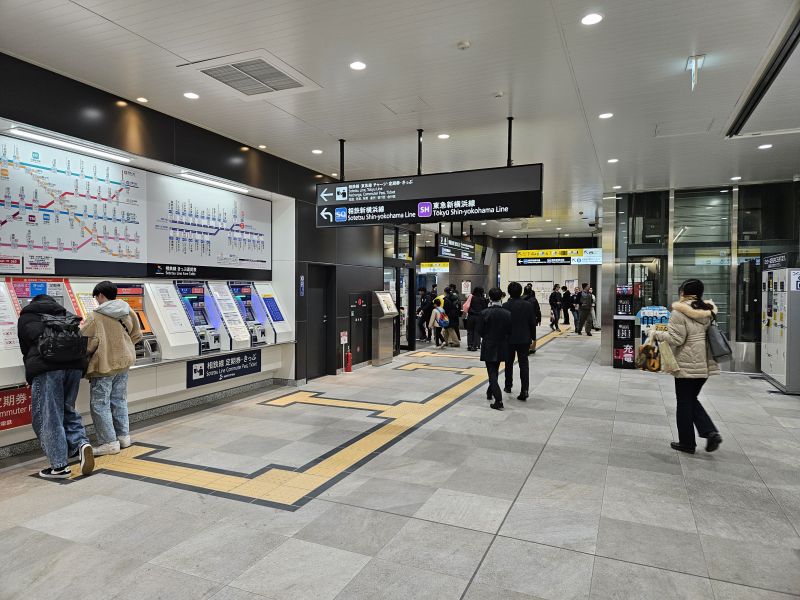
point(681, 448)
point(496, 405)
point(523, 396)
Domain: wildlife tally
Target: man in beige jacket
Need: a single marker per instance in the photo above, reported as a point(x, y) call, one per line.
point(113, 330)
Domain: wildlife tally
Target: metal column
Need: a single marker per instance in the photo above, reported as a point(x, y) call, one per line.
point(609, 289)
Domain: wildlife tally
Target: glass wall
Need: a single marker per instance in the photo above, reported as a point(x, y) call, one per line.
point(702, 245)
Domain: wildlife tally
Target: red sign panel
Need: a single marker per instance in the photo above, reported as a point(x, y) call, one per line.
point(15, 407)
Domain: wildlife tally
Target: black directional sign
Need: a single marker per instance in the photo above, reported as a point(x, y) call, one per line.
point(501, 192)
point(447, 247)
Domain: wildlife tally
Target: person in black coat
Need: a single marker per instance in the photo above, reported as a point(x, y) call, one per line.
point(424, 315)
point(530, 296)
point(452, 307)
point(523, 332)
point(555, 307)
point(566, 303)
point(494, 348)
point(475, 319)
point(54, 389)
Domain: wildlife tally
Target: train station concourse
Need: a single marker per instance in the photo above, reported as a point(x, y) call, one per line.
point(469, 300)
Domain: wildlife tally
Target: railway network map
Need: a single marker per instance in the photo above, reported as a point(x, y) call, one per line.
point(67, 205)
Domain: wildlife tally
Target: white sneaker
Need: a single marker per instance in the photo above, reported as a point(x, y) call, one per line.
point(109, 448)
point(124, 441)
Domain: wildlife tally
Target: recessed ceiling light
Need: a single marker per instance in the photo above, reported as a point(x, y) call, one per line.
point(191, 96)
point(499, 231)
point(737, 178)
point(262, 147)
point(616, 187)
point(548, 220)
point(142, 99)
point(765, 146)
point(443, 136)
point(605, 115)
point(558, 228)
point(592, 19)
point(318, 176)
point(244, 148)
point(483, 223)
point(613, 160)
point(513, 237)
point(334, 174)
point(121, 103)
point(566, 235)
point(358, 65)
point(316, 151)
point(723, 191)
point(724, 218)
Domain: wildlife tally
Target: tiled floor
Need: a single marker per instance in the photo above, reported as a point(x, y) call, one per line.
point(574, 494)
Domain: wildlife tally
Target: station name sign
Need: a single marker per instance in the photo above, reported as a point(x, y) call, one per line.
point(560, 256)
point(448, 247)
point(498, 193)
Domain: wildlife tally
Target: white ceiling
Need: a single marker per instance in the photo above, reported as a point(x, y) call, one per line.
point(556, 76)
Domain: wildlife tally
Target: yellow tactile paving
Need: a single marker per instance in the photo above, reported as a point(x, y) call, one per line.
point(285, 487)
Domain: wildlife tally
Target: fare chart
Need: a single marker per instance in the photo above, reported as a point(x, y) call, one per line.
point(66, 205)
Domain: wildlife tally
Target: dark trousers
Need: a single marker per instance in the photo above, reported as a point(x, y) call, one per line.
point(690, 412)
point(494, 391)
point(565, 310)
point(474, 325)
point(421, 333)
point(585, 321)
point(439, 338)
point(520, 351)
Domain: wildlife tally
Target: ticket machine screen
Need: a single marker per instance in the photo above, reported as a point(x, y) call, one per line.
point(199, 317)
point(195, 300)
point(26, 290)
point(272, 307)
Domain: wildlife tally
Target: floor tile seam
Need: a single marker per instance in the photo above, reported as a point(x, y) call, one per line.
point(530, 472)
point(761, 478)
point(605, 481)
point(174, 570)
point(222, 589)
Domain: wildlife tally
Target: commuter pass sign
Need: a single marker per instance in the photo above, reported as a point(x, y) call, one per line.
point(503, 192)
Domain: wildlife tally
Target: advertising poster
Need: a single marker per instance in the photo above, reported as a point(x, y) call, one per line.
point(624, 345)
point(220, 368)
point(15, 407)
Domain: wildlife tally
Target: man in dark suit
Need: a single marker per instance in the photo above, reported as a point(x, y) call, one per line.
point(523, 332)
point(494, 348)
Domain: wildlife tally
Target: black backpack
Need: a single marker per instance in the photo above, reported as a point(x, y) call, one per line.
point(61, 340)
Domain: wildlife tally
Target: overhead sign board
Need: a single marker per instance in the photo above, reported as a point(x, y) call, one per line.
point(776, 261)
point(448, 247)
point(503, 192)
point(433, 267)
point(560, 256)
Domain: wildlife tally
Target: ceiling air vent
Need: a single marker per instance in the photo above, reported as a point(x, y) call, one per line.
point(256, 75)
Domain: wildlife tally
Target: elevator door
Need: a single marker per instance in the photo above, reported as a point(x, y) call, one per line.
point(320, 318)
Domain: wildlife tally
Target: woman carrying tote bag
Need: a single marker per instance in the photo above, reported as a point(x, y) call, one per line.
point(687, 334)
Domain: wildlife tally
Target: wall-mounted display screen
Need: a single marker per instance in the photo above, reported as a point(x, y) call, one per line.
point(448, 247)
point(81, 210)
point(560, 256)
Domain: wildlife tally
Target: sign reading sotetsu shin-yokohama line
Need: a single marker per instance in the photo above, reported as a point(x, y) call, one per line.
point(503, 192)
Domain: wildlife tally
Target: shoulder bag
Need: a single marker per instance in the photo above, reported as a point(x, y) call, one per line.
point(718, 344)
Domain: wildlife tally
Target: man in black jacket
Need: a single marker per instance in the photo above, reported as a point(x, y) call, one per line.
point(494, 348)
point(54, 389)
point(566, 303)
point(530, 296)
point(523, 332)
point(555, 307)
point(424, 315)
point(452, 307)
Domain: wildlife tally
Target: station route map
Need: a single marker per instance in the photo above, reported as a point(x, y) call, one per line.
point(66, 205)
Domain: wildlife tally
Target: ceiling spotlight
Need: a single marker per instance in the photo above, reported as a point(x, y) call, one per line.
point(499, 231)
point(513, 237)
point(592, 19)
point(316, 151)
point(765, 146)
point(566, 235)
point(191, 96)
point(548, 220)
point(737, 178)
point(483, 223)
point(558, 228)
point(318, 176)
point(142, 99)
point(723, 191)
point(334, 174)
point(244, 148)
point(605, 116)
point(121, 103)
point(443, 136)
point(616, 187)
point(262, 147)
point(613, 160)
point(358, 65)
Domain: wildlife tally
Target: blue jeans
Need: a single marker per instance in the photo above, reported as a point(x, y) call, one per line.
point(108, 401)
point(55, 421)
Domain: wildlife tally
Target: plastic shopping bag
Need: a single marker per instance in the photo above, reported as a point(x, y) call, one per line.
point(668, 362)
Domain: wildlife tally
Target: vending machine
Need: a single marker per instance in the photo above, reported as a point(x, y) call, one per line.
point(196, 300)
point(275, 312)
point(253, 311)
point(169, 321)
point(148, 349)
point(780, 328)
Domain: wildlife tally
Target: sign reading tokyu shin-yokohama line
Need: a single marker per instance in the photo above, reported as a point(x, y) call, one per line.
point(503, 192)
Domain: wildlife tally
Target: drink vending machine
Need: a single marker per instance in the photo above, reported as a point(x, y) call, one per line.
point(780, 328)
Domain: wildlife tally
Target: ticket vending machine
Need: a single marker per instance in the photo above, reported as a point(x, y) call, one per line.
point(254, 312)
point(169, 321)
point(275, 313)
point(148, 349)
point(202, 314)
point(780, 328)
